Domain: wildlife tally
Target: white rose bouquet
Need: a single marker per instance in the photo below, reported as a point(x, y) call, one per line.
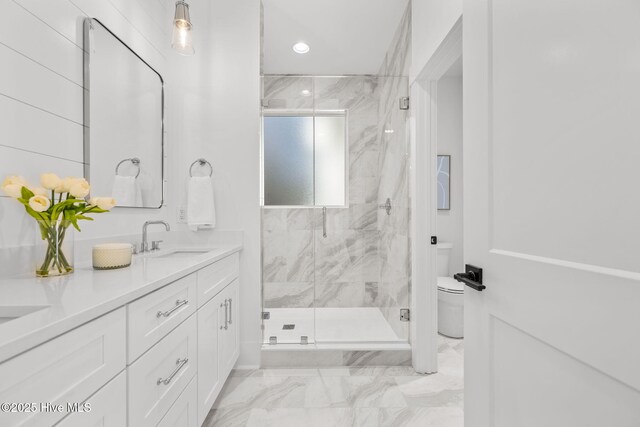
point(56, 205)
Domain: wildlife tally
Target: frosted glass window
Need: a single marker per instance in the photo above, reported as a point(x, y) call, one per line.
point(330, 161)
point(288, 160)
point(304, 160)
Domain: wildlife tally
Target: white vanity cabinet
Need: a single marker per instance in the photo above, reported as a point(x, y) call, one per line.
point(155, 315)
point(229, 343)
point(209, 378)
point(65, 370)
point(216, 276)
point(108, 407)
point(161, 374)
point(160, 359)
point(184, 412)
point(217, 330)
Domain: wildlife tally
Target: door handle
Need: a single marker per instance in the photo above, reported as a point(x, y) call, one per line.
point(471, 277)
point(230, 311)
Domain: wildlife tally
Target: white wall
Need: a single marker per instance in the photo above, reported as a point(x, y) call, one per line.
point(431, 21)
point(212, 110)
point(219, 119)
point(449, 131)
point(41, 98)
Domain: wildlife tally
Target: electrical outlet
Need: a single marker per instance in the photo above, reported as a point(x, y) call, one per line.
point(182, 215)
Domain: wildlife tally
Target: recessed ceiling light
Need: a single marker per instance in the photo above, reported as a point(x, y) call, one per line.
point(301, 47)
point(388, 131)
point(305, 92)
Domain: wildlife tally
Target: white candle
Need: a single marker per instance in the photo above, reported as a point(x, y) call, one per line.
point(111, 255)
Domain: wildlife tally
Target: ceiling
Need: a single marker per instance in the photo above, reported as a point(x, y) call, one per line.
point(345, 36)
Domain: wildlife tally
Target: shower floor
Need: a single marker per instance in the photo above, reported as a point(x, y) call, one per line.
point(329, 325)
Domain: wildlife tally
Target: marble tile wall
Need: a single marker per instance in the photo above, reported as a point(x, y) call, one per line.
point(364, 260)
point(345, 269)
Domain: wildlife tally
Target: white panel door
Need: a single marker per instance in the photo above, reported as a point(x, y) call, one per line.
point(552, 212)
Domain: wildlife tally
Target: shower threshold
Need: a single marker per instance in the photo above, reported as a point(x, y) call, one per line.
point(349, 328)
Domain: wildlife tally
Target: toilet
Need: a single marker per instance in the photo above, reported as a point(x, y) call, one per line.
point(450, 296)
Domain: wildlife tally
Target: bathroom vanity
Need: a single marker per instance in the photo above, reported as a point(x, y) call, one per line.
point(149, 345)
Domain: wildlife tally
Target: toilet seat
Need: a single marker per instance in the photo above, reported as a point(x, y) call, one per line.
point(450, 285)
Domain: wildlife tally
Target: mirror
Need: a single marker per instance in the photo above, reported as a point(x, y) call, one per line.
point(444, 183)
point(123, 115)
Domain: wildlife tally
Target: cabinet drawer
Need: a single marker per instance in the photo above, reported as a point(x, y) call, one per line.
point(153, 316)
point(183, 412)
point(108, 407)
point(158, 377)
point(67, 369)
point(213, 278)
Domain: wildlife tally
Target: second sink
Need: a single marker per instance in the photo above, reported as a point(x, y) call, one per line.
point(12, 312)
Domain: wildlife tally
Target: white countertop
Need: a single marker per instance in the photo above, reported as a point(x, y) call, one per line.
point(86, 294)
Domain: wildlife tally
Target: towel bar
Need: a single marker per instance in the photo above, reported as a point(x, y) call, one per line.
point(134, 160)
point(202, 162)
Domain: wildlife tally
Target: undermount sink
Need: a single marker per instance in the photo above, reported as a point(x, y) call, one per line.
point(12, 312)
point(186, 253)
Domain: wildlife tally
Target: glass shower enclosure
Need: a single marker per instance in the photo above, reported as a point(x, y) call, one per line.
point(336, 260)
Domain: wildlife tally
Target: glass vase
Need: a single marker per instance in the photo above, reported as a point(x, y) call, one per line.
point(54, 248)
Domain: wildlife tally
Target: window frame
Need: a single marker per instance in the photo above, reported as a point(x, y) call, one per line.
point(288, 112)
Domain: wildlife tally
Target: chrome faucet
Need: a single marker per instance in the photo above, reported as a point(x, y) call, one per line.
point(144, 247)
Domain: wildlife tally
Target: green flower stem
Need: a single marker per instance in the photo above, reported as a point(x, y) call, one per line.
point(54, 257)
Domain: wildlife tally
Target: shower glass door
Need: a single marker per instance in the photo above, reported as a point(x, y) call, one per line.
point(361, 254)
point(335, 265)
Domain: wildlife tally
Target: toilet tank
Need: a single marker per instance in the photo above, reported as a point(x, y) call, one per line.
point(444, 252)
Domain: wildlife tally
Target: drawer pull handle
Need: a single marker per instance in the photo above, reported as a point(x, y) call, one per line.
point(168, 312)
point(226, 315)
point(180, 363)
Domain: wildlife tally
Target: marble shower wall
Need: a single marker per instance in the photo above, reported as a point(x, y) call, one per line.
point(364, 260)
point(344, 267)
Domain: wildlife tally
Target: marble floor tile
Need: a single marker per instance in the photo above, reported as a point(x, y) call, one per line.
point(228, 417)
point(316, 417)
point(384, 371)
point(363, 392)
point(409, 417)
point(432, 390)
point(367, 396)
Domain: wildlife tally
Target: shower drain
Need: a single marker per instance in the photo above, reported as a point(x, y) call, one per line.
point(289, 326)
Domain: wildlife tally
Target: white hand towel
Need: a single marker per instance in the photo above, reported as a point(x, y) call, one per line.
point(201, 209)
point(126, 191)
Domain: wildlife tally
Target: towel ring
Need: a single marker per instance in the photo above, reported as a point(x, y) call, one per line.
point(202, 162)
point(134, 160)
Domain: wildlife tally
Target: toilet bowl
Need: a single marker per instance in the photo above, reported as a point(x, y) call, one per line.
point(450, 297)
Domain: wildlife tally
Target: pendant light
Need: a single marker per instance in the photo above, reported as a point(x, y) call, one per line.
point(182, 39)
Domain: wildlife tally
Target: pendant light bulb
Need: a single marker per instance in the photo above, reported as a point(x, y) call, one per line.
point(182, 39)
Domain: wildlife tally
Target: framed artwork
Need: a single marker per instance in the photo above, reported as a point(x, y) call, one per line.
point(444, 183)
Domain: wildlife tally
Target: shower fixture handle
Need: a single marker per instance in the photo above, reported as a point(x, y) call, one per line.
point(324, 221)
point(386, 206)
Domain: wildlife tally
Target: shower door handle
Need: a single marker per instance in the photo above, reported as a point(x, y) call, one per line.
point(324, 221)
